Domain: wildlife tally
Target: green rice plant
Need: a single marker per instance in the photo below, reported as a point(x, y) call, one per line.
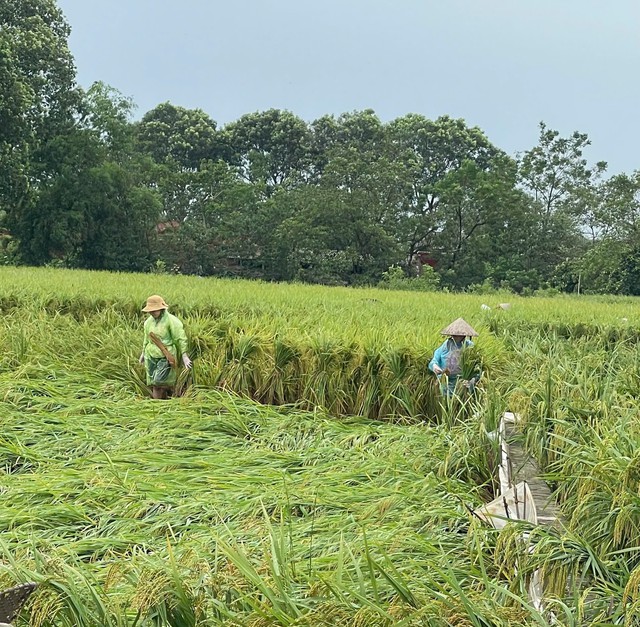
point(282, 383)
point(241, 372)
point(282, 600)
point(118, 475)
point(399, 400)
point(471, 455)
point(370, 373)
point(131, 495)
point(322, 372)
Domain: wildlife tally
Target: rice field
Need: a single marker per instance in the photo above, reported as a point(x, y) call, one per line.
point(310, 474)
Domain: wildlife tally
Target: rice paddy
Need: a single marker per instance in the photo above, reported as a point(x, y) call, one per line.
point(310, 473)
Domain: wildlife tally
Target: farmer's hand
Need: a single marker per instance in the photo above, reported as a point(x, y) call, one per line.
point(186, 361)
point(437, 369)
point(141, 358)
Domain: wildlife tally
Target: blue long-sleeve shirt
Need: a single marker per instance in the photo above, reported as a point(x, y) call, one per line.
point(447, 357)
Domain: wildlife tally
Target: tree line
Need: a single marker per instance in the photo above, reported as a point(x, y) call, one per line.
point(343, 199)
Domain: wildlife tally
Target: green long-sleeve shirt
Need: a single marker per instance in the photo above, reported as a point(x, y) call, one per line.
point(170, 331)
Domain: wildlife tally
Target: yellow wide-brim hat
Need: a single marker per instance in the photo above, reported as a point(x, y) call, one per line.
point(155, 303)
point(460, 327)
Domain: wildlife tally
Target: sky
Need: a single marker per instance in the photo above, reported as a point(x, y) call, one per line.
point(501, 65)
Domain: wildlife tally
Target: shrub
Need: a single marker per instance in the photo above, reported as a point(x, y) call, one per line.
point(396, 279)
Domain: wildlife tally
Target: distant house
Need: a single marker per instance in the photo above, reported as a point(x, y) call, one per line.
point(422, 258)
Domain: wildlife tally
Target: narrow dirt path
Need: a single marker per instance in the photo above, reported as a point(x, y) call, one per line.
point(525, 468)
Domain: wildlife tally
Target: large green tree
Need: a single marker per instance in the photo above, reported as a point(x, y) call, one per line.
point(178, 136)
point(271, 148)
point(611, 264)
point(555, 171)
point(429, 151)
point(325, 235)
point(213, 228)
point(476, 206)
point(94, 209)
point(39, 96)
point(560, 182)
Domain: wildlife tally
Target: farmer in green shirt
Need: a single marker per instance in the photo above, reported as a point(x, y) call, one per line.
point(165, 343)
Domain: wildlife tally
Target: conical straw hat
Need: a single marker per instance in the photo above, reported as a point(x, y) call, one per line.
point(459, 327)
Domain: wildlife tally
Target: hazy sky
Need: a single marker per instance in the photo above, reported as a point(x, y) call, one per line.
point(502, 65)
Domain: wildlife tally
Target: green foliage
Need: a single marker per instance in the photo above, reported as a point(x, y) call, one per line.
point(395, 278)
point(178, 136)
point(271, 147)
point(39, 95)
point(488, 288)
point(555, 170)
point(93, 214)
point(563, 191)
point(96, 478)
point(611, 266)
point(107, 113)
point(335, 201)
point(521, 282)
point(323, 235)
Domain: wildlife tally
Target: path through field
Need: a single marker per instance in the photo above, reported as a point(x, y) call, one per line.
point(525, 468)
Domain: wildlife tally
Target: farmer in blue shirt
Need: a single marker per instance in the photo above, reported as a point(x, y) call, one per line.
point(446, 361)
